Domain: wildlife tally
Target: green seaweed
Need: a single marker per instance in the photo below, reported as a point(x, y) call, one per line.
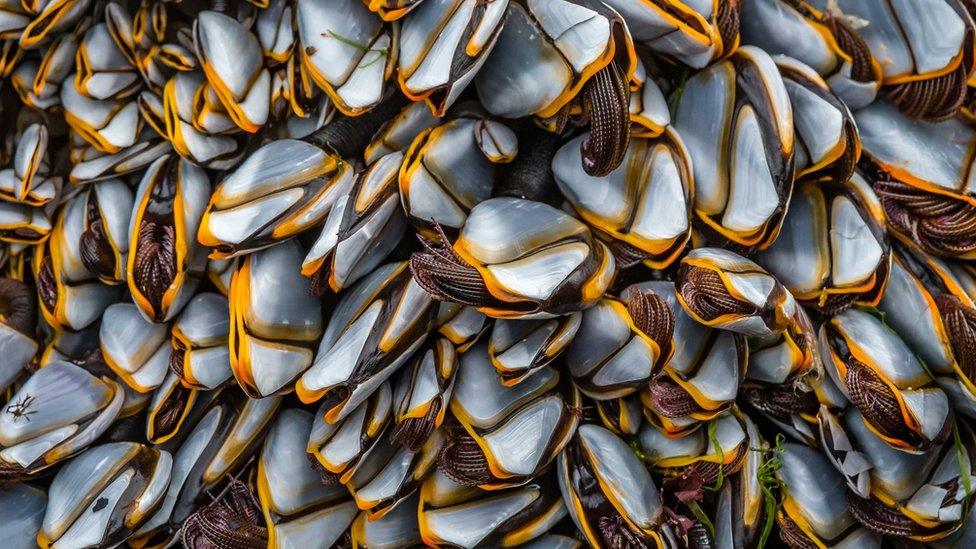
point(771, 486)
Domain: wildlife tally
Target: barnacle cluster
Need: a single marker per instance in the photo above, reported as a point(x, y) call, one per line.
point(487, 273)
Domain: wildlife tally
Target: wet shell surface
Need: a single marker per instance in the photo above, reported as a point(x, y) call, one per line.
point(553, 274)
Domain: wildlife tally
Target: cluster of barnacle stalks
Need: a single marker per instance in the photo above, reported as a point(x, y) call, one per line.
point(487, 273)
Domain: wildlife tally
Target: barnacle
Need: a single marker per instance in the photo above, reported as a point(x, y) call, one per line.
point(487, 273)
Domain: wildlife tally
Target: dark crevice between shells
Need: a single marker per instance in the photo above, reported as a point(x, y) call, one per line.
point(338, 394)
point(154, 264)
point(969, 6)
point(941, 224)
point(969, 104)
point(319, 281)
point(670, 400)
point(344, 541)
point(706, 294)
point(951, 487)
point(582, 413)
point(26, 233)
point(328, 478)
point(167, 419)
point(442, 273)
point(836, 304)
point(653, 316)
point(514, 377)
point(96, 251)
point(615, 533)
point(668, 7)
point(47, 286)
point(960, 324)
point(792, 535)
point(530, 175)
point(462, 460)
point(13, 474)
point(781, 401)
point(17, 306)
point(876, 402)
point(610, 411)
point(606, 104)
point(95, 364)
point(127, 429)
point(932, 99)
point(176, 359)
point(348, 136)
point(414, 432)
point(882, 519)
point(233, 522)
